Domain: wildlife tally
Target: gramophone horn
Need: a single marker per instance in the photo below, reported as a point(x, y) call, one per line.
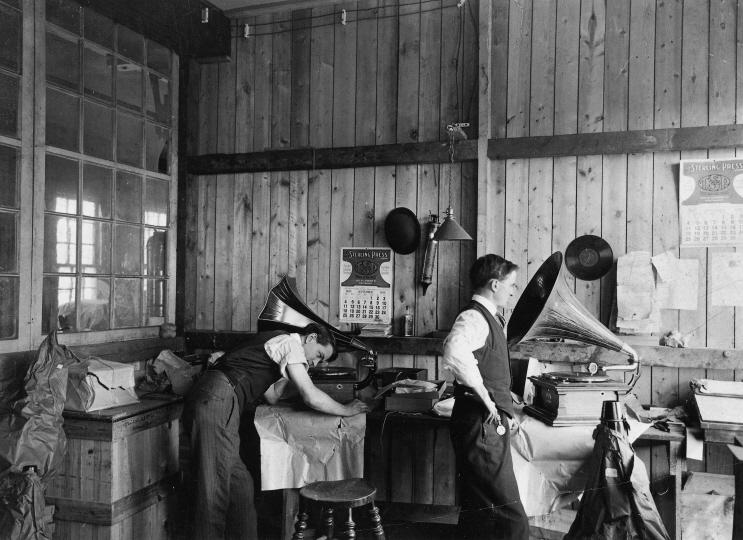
point(548, 309)
point(285, 311)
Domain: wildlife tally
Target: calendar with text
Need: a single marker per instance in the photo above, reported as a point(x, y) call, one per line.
point(366, 285)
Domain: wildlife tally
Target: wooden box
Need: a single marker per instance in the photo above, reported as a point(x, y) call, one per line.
point(119, 472)
point(415, 402)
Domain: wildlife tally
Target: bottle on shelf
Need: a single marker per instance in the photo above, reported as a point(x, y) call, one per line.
point(408, 322)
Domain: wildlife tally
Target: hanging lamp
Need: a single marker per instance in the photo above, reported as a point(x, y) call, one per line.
point(449, 229)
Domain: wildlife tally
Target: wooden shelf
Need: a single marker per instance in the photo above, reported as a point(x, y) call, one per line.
point(565, 352)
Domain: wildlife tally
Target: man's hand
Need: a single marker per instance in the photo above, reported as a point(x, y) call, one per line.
point(356, 407)
point(492, 411)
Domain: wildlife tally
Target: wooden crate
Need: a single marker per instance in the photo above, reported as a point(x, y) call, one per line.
point(120, 472)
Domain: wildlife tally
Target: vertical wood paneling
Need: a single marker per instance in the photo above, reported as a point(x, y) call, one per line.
point(567, 47)
point(694, 99)
point(429, 128)
point(225, 195)
point(590, 120)
point(242, 237)
point(206, 200)
point(614, 192)
point(190, 196)
point(541, 122)
point(517, 171)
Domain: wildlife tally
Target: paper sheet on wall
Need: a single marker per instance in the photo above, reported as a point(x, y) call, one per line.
point(637, 311)
point(726, 279)
point(677, 286)
point(635, 285)
point(299, 447)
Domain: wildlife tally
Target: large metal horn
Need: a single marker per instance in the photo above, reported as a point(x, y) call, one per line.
point(285, 311)
point(548, 309)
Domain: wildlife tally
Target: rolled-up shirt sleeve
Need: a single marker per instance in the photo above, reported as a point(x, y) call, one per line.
point(468, 334)
point(285, 349)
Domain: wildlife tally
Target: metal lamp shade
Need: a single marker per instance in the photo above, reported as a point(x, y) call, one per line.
point(450, 229)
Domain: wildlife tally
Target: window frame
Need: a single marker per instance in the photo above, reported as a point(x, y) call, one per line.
point(33, 151)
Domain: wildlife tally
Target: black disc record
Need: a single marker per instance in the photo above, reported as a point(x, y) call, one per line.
point(589, 257)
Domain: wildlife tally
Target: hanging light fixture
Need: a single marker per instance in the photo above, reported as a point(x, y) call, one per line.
point(449, 228)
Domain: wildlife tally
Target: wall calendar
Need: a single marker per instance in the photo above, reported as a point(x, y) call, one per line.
point(711, 202)
point(366, 285)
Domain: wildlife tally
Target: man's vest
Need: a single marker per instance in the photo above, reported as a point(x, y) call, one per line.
point(494, 362)
point(250, 370)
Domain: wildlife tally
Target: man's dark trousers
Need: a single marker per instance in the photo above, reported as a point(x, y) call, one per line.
point(491, 505)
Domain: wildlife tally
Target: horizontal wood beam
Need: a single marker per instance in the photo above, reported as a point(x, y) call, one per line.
point(579, 144)
point(618, 142)
point(303, 159)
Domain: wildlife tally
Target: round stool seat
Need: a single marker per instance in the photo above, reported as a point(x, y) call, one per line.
point(349, 493)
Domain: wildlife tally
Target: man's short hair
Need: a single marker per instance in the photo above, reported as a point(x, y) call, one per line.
point(489, 267)
point(324, 337)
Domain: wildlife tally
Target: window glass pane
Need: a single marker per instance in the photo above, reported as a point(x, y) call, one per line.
point(58, 307)
point(98, 73)
point(60, 193)
point(155, 291)
point(98, 130)
point(129, 140)
point(127, 303)
point(127, 249)
point(8, 176)
point(95, 298)
point(10, 38)
point(98, 28)
point(128, 197)
point(158, 57)
point(158, 98)
point(156, 202)
point(129, 84)
point(97, 191)
point(8, 240)
point(62, 61)
point(95, 247)
point(130, 44)
point(9, 105)
point(62, 120)
point(157, 148)
point(60, 244)
point(155, 253)
point(9, 302)
point(64, 13)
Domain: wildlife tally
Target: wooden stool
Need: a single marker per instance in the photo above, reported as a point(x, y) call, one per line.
point(341, 494)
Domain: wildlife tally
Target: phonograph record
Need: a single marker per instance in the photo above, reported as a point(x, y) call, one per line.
point(548, 310)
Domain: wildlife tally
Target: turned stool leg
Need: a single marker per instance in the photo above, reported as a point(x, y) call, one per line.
point(300, 526)
point(329, 522)
point(376, 522)
point(350, 527)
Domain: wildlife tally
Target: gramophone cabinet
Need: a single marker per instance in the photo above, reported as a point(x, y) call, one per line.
point(559, 401)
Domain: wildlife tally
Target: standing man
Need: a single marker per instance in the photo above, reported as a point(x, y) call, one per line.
point(476, 352)
point(224, 494)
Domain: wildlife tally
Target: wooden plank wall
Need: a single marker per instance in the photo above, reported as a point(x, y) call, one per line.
point(398, 72)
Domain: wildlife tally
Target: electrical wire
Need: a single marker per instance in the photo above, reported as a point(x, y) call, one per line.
point(335, 18)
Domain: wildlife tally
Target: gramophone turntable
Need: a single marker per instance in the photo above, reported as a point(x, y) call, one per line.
point(548, 310)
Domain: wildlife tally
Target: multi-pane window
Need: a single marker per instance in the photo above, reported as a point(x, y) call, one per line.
point(10, 151)
point(107, 174)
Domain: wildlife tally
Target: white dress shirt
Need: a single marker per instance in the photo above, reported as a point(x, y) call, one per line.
point(468, 334)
